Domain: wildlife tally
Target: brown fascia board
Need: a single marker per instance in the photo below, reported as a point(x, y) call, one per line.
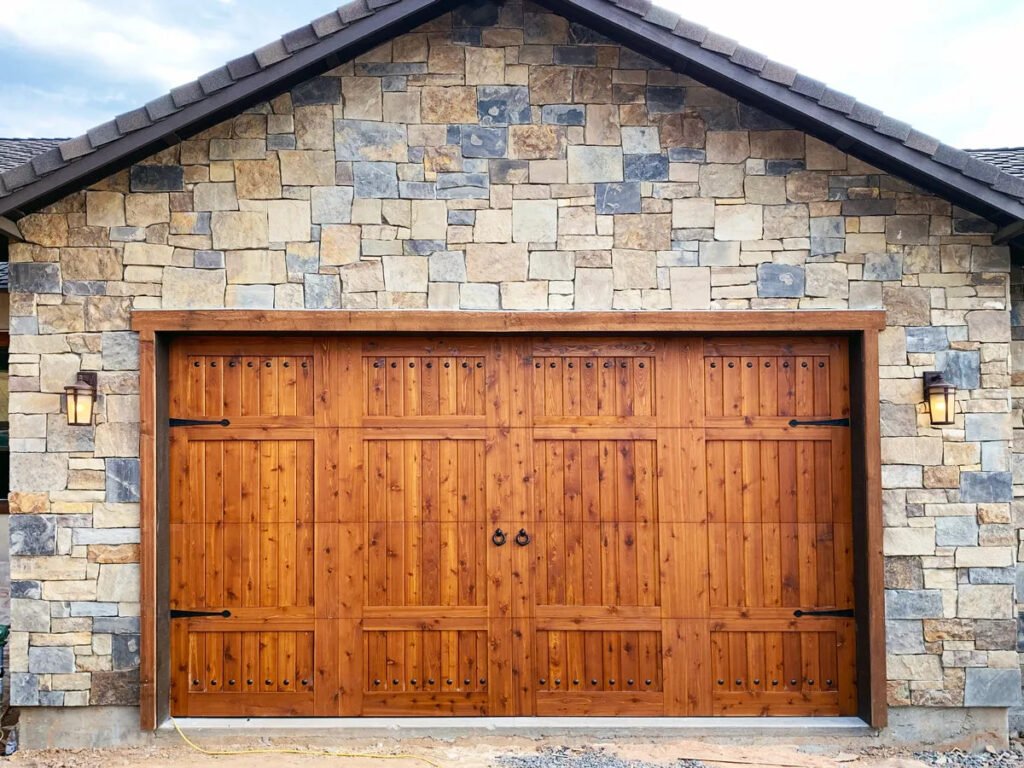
point(781, 102)
point(345, 44)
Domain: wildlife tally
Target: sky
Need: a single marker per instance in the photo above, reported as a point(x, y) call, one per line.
point(949, 68)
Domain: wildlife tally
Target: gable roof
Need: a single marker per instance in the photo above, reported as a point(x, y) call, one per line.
point(776, 89)
point(1007, 159)
point(14, 152)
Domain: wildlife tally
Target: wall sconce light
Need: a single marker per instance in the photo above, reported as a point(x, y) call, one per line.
point(939, 399)
point(81, 399)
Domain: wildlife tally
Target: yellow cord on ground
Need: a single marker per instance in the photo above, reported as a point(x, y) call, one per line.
point(305, 752)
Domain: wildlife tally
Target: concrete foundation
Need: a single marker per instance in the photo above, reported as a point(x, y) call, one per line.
point(910, 727)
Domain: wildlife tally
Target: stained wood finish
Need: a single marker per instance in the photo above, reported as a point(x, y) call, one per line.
point(661, 522)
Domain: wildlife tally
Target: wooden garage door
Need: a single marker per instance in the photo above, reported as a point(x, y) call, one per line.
point(511, 526)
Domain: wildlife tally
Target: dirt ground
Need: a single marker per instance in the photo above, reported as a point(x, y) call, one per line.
point(500, 752)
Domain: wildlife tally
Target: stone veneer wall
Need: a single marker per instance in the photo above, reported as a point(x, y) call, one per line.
point(509, 160)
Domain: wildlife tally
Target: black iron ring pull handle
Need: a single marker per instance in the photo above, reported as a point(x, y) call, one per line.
point(499, 538)
point(522, 538)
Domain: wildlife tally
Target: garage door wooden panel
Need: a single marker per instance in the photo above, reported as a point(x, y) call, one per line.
point(420, 525)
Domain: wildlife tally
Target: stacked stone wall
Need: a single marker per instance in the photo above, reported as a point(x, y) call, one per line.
point(504, 158)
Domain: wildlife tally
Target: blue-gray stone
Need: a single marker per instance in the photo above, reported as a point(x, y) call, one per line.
point(477, 164)
point(208, 260)
point(93, 609)
point(461, 186)
point(417, 190)
point(394, 83)
point(387, 69)
point(913, 603)
point(122, 483)
point(959, 531)
point(281, 141)
point(120, 350)
point(357, 139)
point(85, 288)
point(157, 178)
point(51, 698)
point(828, 235)
point(24, 690)
point(617, 197)
point(575, 55)
point(105, 536)
point(422, 247)
point(300, 263)
point(504, 171)
point(663, 99)
point(331, 205)
point(1005, 575)
point(754, 119)
point(783, 167)
point(448, 267)
point(481, 141)
point(33, 535)
point(467, 36)
point(686, 155)
point(927, 339)
point(453, 135)
point(121, 625)
point(54, 659)
point(416, 155)
point(986, 487)
point(25, 326)
point(125, 651)
point(26, 589)
point(462, 218)
point(127, 234)
point(503, 104)
point(987, 426)
point(563, 114)
point(34, 277)
point(318, 90)
point(903, 636)
point(203, 225)
point(883, 266)
point(630, 59)
point(645, 167)
point(869, 206)
point(992, 687)
point(322, 291)
point(375, 180)
point(482, 14)
point(780, 280)
point(962, 368)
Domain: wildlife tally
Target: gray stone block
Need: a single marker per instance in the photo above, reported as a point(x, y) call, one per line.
point(505, 171)
point(125, 651)
point(663, 99)
point(1005, 575)
point(322, 291)
point(208, 260)
point(331, 205)
point(51, 698)
point(120, 351)
point(51, 659)
point(103, 625)
point(617, 197)
point(902, 636)
point(422, 247)
point(927, 339)
point(898, 420)
point(417, 190)
point(32, 277)
point(959, 531)
point(986, 487)
point(122, 480)
point(369, 140)
point(24, 690)
point(281, 141)
point(995, 634)
point(93, 609)
point(60, 436)
point(299, 263)
point(375, 180)
point(987, 426)
point(319, 90)
point(157, 178)
point(962, 368)
point(26, 589)
point(780, 280)
point(563, 114)
point(687, 155)
point(504, 105)
point(462, 218)
point(913, 603)
point(992, 687)
point(463, 186)
point(33, 535)
point(883, 266)
point(828, 235)
point(645, 167)
point(481, 141)
point(575, 55)
point(447, 267)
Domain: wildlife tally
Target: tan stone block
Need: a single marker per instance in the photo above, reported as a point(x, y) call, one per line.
point(534, 221)
point(113, 553)
point(984, 557)
point(429, 220)
point(644, 232)
point(727, 146)
point(823, 157)
point(912, 450)
point(772, 145)
point(446, 59)
point(985, 601)
point(577, 220)
point(402, 107)
point(548, 172)
point(104, 209)
point(363, 276)
point(50, 230)
point(118, 583)
point(444, 159)
point(410, 48)
point(536, 142)
point(909, 541)
point(592, 85)
point(340, 243)
point(405, 274)
point(454, 104)
point(593, 289)
point(693, 213)
point(739, 222)
point(235, 230)
point(288, 220)
point(913, 667)
point(493, 226)
point(550, 85)
point(524, 295)
point(485, 66)
point(398, 213)
point(493, 263)
point(69, 590)
point(307, 168)
point(634, 269)
point(942, 477)
point(90, 264)
point(185, 288)
point(258, 179)
point(806, 186)
point(141, 210)
point(691, 287)
point(602, 127)
point(22, 503)
point(362, 98)
point(766, 190)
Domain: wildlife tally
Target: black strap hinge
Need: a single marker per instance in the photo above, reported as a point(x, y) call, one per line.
point(820, 423)
point(198, 423)
point(846, 613)
point(177, 614)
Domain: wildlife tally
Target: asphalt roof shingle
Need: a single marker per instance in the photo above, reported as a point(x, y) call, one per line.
point(995, 189)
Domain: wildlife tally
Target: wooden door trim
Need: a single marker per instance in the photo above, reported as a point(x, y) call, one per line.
point(437, 321)
point(155, 327)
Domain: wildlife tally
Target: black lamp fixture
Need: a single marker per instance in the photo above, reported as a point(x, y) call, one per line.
point(81, 399)
point(939, 398)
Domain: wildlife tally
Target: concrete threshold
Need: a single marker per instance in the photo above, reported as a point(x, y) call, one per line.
point(453, 727)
